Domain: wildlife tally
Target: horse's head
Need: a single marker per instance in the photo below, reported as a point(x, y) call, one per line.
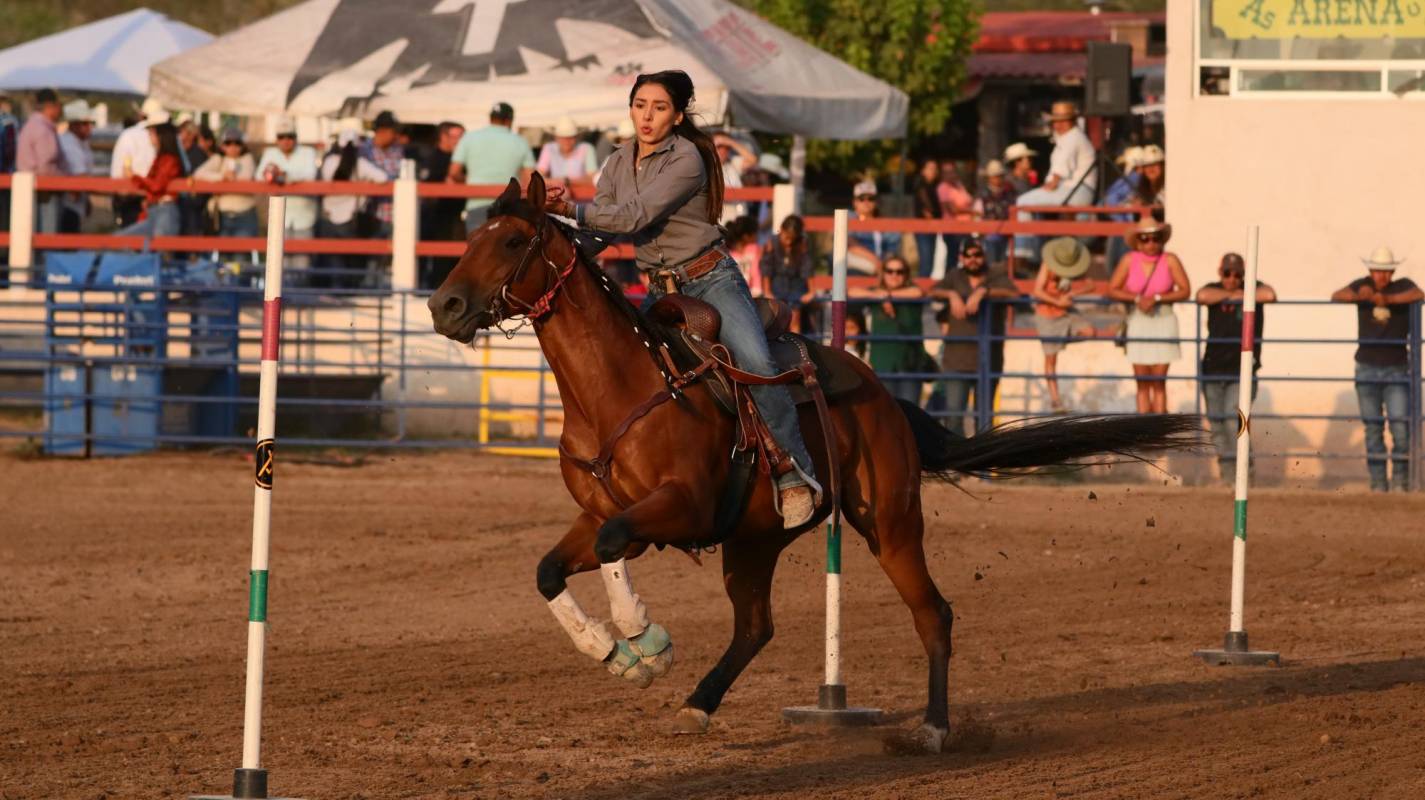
point(505, 270)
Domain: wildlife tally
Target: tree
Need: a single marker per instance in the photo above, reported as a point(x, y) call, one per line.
point(918, 46)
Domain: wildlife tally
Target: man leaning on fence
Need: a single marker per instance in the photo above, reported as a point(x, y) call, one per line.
point(968, 290)
point(1222, 357)
point(1383, 304)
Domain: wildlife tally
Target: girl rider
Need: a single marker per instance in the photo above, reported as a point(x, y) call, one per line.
point(664, 190)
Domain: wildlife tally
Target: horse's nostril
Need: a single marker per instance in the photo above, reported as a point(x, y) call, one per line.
point(453, 306)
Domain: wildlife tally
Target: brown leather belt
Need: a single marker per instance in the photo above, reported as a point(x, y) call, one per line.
point(672, 278)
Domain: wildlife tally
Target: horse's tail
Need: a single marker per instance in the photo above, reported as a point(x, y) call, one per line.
point(1021, 448)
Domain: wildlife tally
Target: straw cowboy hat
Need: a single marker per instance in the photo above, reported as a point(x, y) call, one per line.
point(1148, 226)
point(1150, 155)
point(1382, 258)
point(1062, 111)
point(994, 169)
point(565, 128)
point(1066, 257)
point(1130, 158)
point(78, 111)
point(1017, 151)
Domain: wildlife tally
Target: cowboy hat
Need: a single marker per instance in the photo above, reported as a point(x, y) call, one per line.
point(994, 169)
point(1062, 111)
point(78, 111)
point(1382, 258)
point(626, 129)
point(1017, 151)
point(152, 107)
point(1066, 257)
point(1146, 226)
point(1152, 154)
point(565, 127)
point(771, 163)
point(1130, 158)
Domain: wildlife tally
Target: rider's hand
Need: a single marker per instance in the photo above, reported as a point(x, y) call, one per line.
point(555, 203)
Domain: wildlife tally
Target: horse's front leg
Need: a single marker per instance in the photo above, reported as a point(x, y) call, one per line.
point(667, 515)
point(574, 554)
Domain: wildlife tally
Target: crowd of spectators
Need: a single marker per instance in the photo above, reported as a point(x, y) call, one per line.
point(970, 300)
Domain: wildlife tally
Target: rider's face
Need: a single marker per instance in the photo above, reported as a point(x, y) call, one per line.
point(653, 114)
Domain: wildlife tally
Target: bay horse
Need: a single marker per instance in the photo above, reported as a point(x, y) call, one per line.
point(667, 465)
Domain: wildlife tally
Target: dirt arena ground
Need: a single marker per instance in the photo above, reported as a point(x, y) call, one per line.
point(411, 657)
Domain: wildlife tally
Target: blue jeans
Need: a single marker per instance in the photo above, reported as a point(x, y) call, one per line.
point(238, 224)
point(1384, 396)
point(925, 251)
point(996, 249)
point(1221, 398)
point(162, 220)
point(907, 389)
point(725, 289)
point(957, 393)
point(1026, 246)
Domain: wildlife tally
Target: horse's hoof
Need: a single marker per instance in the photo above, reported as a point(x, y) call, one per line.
point(690, 721)
point(627, 664)
point(929, 738)
point(655, 650)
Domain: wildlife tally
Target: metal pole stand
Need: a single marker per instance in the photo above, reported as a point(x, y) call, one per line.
point(831, 708)
point(250, 780)
point(1235, 651)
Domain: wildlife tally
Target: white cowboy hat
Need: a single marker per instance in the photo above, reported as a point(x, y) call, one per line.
point(1017, 151)
point(1130, 158)
point(1152, 154)
point(1382, 258)
point(78, 111)
point(626, 129)
point(1063, 111)
point(994, 169)
point(565, 127)
point(152, 107)
point(159, 117)
point(771, 163)
point(1147, 226)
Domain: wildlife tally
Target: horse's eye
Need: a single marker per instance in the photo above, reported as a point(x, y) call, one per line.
point(514, 243)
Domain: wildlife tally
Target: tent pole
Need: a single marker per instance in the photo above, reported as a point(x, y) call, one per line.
point(799, 169)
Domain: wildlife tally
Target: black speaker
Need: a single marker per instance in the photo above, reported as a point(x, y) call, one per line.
point(1109, 83)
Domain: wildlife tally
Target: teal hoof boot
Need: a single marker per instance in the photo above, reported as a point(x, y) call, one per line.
point(627, 664)
point(655, 650)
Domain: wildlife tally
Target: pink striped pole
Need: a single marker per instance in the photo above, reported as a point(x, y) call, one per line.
point(250, 780)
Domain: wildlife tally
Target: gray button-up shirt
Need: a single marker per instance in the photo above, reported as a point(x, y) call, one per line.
point(662, 205)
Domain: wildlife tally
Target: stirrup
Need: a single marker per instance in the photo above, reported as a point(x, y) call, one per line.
point(798, 504)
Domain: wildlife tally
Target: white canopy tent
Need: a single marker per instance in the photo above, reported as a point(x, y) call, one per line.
point(112, 55)
point(431, 60)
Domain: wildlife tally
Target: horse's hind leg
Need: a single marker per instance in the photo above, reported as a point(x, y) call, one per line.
point(895, 530)
point(573, 554)
point(747, 568)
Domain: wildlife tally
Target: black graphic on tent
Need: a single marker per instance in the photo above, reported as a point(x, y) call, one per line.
point(463, 40)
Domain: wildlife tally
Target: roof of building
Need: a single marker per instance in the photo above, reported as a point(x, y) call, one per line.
point(1047, 44)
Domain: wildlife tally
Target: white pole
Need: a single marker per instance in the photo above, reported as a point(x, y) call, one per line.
point(262, 496)
point(405, 228)
point(798, 170)
point(1244, 437)
point(833, 528)
point(22, 228)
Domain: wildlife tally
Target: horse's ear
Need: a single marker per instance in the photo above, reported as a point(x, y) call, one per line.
point(535, 194)
point(510, 196)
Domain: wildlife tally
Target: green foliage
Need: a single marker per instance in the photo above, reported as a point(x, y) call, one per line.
point(918, 46)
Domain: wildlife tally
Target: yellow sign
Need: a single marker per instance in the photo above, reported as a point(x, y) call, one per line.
point(1319, 19)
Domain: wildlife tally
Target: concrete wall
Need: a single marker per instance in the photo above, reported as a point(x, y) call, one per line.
point(1327, 181)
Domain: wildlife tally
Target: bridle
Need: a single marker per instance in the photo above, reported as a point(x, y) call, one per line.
point(502, 300)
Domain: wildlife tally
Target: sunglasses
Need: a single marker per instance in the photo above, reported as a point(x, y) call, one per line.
point(973, 254)
point(1150, 237)
point(1232, 273)
point(231, 141)
point(894, 271)
point(865, 197)
point(286, 136)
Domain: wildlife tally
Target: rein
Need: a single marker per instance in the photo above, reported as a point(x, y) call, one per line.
point(544, 304)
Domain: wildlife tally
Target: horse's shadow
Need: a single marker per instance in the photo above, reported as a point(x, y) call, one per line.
point(1028, 728)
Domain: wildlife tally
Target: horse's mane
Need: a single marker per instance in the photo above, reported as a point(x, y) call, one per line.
point(521, 209)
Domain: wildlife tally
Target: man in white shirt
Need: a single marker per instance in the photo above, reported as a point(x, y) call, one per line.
point(133, 155)
point(78, 160)
point(290, 162)
point(1073, 175)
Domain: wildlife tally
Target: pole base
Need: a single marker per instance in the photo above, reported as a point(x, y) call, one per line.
point(248, 784)
point(1236, 653)
point(831, 710)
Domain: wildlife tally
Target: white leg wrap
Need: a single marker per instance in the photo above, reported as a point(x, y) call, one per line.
point(628, 612)
point(590, 638)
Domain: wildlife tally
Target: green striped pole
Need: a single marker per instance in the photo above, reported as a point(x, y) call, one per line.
point(831, 708)
point(250, 781)
point(1235, 649)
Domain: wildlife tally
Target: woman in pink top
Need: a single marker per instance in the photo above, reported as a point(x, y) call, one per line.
point(956, 202)
point(1152, 280)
